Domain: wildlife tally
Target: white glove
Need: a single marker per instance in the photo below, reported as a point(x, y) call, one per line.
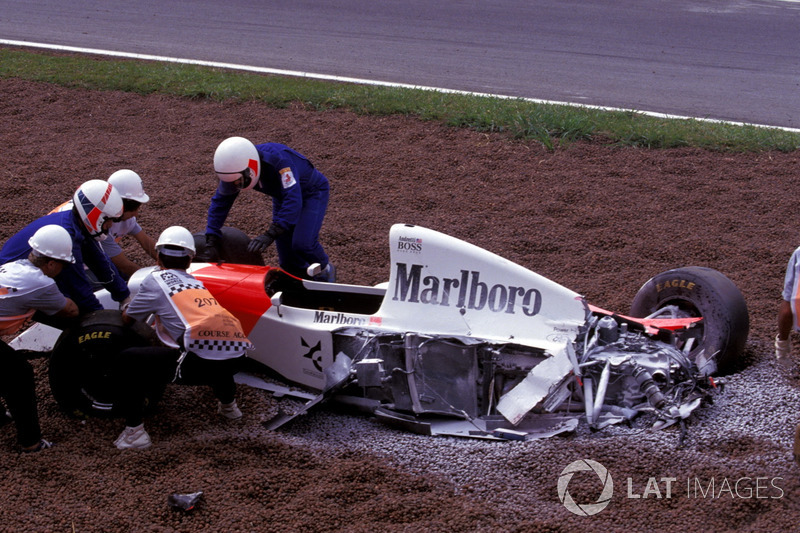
point(783, 349)
point(123, 305)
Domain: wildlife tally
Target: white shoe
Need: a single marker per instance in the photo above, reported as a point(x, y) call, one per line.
point(41, 445)
point(313, 269)
point(317, 273)
point(230, 411)
point(133, 438)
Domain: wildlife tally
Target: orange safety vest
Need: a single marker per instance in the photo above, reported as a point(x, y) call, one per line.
point(12, 324)
point(212, 332)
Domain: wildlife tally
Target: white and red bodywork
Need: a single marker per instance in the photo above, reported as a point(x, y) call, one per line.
point(456, 331)
point(438, 285)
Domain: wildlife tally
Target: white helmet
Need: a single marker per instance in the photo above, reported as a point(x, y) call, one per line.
point(235, 158)
point(129, 185)
point(176, 236)
point(96, 201)
point(52, 241)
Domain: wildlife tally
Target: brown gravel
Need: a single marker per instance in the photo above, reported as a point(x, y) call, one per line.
point(599, 219)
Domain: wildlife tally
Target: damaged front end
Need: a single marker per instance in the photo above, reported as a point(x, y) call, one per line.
point(625, 370)
point(463, 386)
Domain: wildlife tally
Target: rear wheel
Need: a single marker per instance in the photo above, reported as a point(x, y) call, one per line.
point(700, 292)
point(83, 366)
point(234, 247)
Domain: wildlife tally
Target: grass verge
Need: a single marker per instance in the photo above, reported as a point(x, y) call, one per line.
point(552, 125)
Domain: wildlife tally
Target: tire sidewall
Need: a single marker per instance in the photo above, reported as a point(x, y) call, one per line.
point(84, 374)
point(708, 293)
point(233, 249)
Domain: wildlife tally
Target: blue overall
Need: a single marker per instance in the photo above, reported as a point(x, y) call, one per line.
point(298, 208)
point(72, 280)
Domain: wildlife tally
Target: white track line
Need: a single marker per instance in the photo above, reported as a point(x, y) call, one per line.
point(280, 72)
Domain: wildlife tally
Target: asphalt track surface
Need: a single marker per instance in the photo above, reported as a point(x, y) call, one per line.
point(734, 60)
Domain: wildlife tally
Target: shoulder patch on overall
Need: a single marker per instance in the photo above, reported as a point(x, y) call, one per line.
point(287, 178)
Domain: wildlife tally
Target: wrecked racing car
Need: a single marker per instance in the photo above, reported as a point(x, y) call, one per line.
point(462, 342)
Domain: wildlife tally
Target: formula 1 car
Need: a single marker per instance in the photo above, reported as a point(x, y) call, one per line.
point(459, 341)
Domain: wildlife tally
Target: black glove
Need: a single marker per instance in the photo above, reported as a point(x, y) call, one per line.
point(262, 242)
point(213, 249)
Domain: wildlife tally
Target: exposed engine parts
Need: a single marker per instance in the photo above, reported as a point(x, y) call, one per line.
point(612, 373)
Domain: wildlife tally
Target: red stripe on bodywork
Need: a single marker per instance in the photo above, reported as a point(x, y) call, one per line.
point(672, 324)
point(239, 289)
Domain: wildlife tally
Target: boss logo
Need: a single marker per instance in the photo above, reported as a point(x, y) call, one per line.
point(412, 246)
point(407, 244)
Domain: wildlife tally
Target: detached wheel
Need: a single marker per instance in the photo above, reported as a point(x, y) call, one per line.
point(234, 247)
point(83, 367)
point(701, 292)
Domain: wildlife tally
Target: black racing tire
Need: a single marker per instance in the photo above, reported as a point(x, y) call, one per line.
point(234, 247)
point(84, 374)
point(701, 292)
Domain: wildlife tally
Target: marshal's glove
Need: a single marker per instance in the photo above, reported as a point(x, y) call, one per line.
point(783, 349)
point(262, 242)
point(213, 250)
